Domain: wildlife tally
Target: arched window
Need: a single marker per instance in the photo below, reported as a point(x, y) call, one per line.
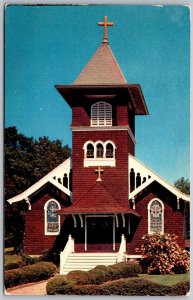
point(90, 151)
point(101, 114)
point(99, 150)
point(99, 153)
point(52, 220)
point(155, 216)
point(109, 150)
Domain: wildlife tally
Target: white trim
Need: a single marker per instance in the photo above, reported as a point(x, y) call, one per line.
point(129, 224)
point(123, 220)
point(117, 220)
point(74, 219)
point(45, 217)
point(113, 233)
point(149, 217)
point(28, 203)
point(99, 161)
point(178, 203)
point(60, 187)
point(140, 167)
point(64, 167)
point(106, 128)
point(81, 220)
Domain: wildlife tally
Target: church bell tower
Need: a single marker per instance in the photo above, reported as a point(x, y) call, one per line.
point(103, 106)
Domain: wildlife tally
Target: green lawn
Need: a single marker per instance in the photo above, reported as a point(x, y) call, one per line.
point(166, 279)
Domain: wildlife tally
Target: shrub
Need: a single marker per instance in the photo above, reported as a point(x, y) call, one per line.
point(79, 277)
point(162, 255)
point(36, 272)
point(121, 287)
point(97, 276)
point(13, 261)
point(59, 285)
point(126, 269)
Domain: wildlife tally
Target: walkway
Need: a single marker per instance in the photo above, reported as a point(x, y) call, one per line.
point(33, 289)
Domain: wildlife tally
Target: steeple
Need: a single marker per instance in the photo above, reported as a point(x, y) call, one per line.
point(102, 67)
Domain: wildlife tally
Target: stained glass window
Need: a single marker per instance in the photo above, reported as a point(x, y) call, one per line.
point(156, 217)
point(52, 221)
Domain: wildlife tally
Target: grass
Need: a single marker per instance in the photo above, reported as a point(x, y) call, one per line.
point(166, 279)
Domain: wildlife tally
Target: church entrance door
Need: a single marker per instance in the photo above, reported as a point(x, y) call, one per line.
point(99, 233)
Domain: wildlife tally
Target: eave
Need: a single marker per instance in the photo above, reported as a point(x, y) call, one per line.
point(74, 94)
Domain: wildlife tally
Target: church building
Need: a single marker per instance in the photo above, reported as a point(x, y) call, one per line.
point(95, 207)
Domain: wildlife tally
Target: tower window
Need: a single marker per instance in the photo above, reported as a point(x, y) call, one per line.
point(101, 114)
point(155, 216)
point(99, 150)
point(99, 153)
point(90, 151)
point(109, 150)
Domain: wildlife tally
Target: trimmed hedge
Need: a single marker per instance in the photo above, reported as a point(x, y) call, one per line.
point(18, 261)
point(79, 277)
point(60, 285)
point(31, 273)
point(102, 273)
point(121, 287)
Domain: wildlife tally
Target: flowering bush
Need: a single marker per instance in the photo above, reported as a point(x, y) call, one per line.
point(162, 255)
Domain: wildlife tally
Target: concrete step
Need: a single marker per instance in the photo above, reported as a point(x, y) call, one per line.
point(87, 261)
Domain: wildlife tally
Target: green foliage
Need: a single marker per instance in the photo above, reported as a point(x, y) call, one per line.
point(183, 185)
point(26, 161)
point(79, 282)
point(60, 285)
point(79, 277)
point(162, 255)
point(128, 269)
point(13, 261)
point(31, 273)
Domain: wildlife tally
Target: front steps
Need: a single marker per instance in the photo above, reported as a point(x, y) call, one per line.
point(87, 261)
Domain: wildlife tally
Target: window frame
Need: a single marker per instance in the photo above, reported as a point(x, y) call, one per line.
point(149, 215)
point(99, 161)
point(46, 232)
point(97, 115)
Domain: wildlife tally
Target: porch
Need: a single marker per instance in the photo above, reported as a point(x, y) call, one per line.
point(70, 260)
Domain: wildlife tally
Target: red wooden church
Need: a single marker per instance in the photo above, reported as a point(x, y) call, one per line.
point(95, 207)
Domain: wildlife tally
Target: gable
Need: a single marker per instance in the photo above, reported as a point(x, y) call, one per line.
point(55, 177)
point(147, 177)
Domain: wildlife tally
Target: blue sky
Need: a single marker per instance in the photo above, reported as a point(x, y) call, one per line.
point(49, 45)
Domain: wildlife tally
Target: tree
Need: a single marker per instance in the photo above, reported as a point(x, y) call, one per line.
point(183, 185)
point(26, 161)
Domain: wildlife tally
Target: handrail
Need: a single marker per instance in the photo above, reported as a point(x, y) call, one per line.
point(69, 248)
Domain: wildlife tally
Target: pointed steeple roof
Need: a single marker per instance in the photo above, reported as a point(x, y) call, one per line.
point(101, 69)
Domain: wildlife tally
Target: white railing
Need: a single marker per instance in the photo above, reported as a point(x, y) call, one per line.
point(69, 248)
point(122, 249)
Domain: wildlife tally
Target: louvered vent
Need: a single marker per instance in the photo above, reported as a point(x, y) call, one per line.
point(101, 114)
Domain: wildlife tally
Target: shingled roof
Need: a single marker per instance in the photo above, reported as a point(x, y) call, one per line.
point(97, 200)
point(101, 69)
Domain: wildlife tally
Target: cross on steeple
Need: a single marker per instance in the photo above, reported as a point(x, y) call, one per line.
point(105, 24)
point(99, 171)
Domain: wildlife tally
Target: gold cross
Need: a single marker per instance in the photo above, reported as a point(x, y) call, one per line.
point(105, 24)
point(99, 171)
